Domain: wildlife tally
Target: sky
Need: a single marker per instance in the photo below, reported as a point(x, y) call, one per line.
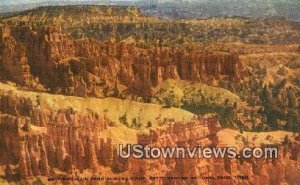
point(10, 2)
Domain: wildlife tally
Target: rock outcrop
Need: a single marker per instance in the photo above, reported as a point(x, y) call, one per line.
point(41, 139)
point(202, 131)
point(37, 141)
point(88, 67)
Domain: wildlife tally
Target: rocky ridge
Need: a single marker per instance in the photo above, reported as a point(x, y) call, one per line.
point(37, 141)
point(47, 57)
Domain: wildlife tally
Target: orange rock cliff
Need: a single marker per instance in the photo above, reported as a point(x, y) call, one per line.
point(87, 67)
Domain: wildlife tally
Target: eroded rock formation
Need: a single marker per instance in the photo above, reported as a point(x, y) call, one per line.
point(200, 131)
point(87, 67)
point(38, 141)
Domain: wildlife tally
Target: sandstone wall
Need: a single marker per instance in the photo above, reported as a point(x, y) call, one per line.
point(87, 67)
point(37, 141)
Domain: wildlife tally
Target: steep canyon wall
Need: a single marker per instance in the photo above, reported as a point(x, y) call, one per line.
point(36, 141)
point(87, 67)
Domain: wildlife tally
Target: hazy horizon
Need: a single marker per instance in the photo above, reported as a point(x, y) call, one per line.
point(178, 8)
point(16, 2)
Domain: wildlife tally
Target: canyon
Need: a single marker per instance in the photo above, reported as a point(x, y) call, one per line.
point(51, 59)
point(38, 141)
point(77, 81)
